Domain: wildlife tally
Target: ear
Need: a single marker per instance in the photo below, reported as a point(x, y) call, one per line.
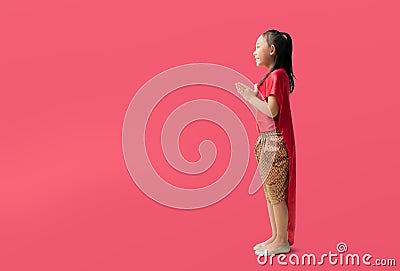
point(272, 51)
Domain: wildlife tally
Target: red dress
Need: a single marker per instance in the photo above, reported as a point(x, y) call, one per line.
point(277, 84)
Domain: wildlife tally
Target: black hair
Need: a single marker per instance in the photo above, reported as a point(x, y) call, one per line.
point(284, 48)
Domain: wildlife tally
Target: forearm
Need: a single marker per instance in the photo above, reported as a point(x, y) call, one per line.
point(260, 105)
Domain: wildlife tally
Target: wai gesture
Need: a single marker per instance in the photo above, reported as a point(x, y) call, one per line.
point(245, 91)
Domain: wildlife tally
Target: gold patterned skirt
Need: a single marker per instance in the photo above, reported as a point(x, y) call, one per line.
point(273, 164)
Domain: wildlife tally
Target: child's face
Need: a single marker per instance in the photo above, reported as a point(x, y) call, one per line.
point(264, 54)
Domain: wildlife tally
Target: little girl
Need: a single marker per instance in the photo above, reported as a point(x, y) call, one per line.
point(275, 147)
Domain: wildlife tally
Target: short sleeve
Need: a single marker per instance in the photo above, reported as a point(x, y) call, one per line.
point(275, 85)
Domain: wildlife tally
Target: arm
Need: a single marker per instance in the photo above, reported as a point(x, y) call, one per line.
point(271, 103)
point(268, 107)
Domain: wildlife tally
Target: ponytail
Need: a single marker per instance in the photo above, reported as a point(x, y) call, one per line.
point(284, 47)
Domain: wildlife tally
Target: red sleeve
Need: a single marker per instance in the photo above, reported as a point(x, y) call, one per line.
point(275, 86)
point(261, 90)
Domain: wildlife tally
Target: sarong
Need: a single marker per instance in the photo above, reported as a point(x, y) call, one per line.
point(273, 164)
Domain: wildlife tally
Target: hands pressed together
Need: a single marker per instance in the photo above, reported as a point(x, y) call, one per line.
point(245, 91)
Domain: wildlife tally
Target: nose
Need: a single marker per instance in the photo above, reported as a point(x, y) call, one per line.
point(254, 53)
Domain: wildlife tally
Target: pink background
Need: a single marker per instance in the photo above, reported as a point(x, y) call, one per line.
point(69, 70)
